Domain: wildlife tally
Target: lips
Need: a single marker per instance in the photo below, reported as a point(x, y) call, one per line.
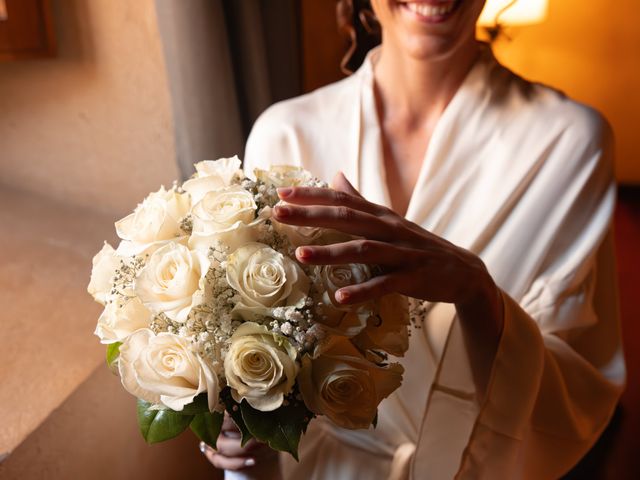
point(431, 10)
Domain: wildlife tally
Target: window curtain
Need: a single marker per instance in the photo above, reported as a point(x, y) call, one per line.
point(226, 61)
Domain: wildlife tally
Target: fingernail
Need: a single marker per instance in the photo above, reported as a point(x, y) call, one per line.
point(231, 434)
point(284, 192)
point(303, 252)
point(202, 447)
point(282, 211)
point(342, 295)
point(249, 462)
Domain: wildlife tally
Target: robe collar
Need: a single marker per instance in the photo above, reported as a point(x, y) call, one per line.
point(451, 145)
point(370, 173)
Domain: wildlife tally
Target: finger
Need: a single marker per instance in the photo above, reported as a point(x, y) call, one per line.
point(376, 287)
point(328, 196)
point(360, 251)
point(231, 433)
point(341, 184)
point(231, 447)
point(225, 463)
point(344, 219)
point(228, 424)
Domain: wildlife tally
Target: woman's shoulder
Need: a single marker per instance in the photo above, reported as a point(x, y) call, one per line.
point(545, 108)
point(542, 129)
point(289, 128)
point(319, 105)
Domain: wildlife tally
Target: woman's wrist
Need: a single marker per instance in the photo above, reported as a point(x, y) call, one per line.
point(481, 314)
point(480, 304)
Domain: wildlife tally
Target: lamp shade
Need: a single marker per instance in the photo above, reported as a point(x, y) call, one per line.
point(521, 12)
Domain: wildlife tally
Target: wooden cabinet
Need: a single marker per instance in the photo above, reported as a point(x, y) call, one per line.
point(26, 29)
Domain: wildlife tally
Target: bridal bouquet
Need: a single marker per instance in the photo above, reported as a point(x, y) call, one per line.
point(207, 310)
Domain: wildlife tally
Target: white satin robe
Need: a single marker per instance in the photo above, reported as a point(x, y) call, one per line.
point(522, 176)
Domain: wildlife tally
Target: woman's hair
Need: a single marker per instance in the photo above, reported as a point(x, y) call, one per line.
point(357, 21)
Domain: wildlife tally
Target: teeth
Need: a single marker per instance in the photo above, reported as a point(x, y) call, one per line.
point(426, 10)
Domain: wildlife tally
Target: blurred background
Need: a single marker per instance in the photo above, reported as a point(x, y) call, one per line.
point(101, 101)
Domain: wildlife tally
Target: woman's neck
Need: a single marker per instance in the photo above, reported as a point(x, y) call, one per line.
point(416, 91)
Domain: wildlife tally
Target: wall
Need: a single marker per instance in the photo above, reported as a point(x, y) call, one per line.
point(590, 50)
point(93, 126)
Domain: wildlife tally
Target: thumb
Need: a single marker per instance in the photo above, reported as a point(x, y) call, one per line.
point(341, 184)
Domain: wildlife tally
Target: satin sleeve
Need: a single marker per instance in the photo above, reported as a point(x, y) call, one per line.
point(559, 369)
point(273, 141)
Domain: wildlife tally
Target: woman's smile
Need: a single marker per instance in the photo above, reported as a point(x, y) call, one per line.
point(429, 11)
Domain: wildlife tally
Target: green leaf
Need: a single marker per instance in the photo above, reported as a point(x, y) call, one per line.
point(281, 429)
point(200, 404)
point(233, 409)
point(160, 425)
point(113, 352)
point(207, 427)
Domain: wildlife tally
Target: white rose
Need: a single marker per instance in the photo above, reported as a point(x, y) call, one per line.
point(119, 320)
point(283, 176)
point(155, 222)
point(347, 320)
point(227, 216)
point(345, 386)
point(105, 264)
point(265, 279)
point(212, 175)
point(260, 367)
point(162, 369)
point(298, 235)
point(172, 281)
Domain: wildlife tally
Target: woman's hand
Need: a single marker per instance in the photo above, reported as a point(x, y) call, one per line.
point(230, 455)
point(414, 262)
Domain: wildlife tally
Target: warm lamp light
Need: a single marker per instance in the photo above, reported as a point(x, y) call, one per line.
point(513, 12)
point(3, 10)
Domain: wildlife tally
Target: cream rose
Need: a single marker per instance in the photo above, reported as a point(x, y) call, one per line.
point(119, 320)
point(298, 235)
point(388, 330)
point(303, 235)
point(265, 279)
point(228, 216)
point(105, 264)
point(283, 176)
point(212, 175)
point(155, 222)
point(172, 281)
point(162, 369)
point(260, 367)
point(347, 320)
point(346, 387)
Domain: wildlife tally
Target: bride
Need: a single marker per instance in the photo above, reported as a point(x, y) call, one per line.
point(488, 198)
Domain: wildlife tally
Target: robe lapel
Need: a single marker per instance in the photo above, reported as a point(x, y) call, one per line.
point(443, 397)
point(370, 159)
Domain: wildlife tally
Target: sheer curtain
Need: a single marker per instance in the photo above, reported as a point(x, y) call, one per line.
point(226, 60)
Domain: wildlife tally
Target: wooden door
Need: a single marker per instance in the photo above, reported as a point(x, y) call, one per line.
point(26, 29)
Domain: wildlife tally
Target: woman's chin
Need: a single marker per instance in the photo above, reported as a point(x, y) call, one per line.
point(431, 47)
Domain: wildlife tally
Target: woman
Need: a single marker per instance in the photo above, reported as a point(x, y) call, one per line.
point(489, 198)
